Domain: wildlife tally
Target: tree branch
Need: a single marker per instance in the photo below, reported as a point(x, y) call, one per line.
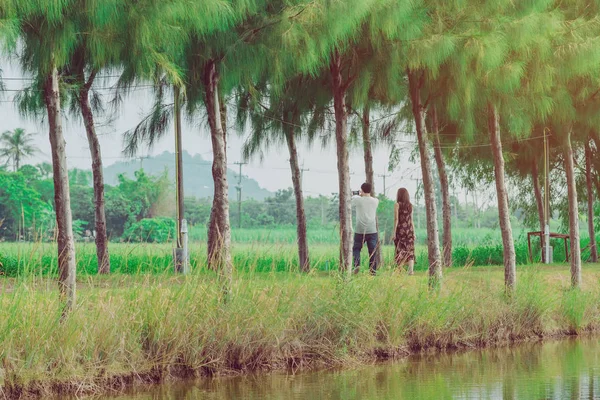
point(90, 80)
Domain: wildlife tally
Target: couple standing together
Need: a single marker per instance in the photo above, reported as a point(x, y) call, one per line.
point(366, 229)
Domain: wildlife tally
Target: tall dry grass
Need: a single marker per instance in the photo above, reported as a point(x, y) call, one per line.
point(157, 325)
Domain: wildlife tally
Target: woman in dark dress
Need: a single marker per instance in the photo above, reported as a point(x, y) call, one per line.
point(404, 231)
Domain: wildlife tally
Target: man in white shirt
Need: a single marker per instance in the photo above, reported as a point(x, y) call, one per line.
point(366, 226)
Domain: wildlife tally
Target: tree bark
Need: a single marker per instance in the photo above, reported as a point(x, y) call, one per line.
point(178, 166)
point(367, 147)
point(415, 81)
point(341, 137)
point(223, 111)
point(573, 213)
point(64, 220)
point(369, 171)
point(537, 190)
point(303, 257)
point(590, 203)
point(220, 256)
point(596, 163)
point(98, 175)
point(510, 271)
point(446, 207)
point(213, 230)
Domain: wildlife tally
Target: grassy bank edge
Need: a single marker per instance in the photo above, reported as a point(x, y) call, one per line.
point(120, 384)
point(535, 314)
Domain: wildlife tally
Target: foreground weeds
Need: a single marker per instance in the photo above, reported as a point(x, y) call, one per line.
point(148, 328)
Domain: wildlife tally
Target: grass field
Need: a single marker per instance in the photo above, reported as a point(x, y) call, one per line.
point(143, 323)
point(21, 259)
point(330, 235)
point(128, 328)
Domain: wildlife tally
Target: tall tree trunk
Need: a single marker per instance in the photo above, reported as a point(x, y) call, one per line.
point(367, 147)
point(220, 256)
point(212, 238)
point(590, 203)
point(369, 171)
point(223, 110)
point(62, 199)
point(303, 257)
point(341, 138)
point(446, 207)
point(98, 175)
point(596, 161)
point(178, 166)
point(415, 81)
point(510, 270)
point(212, 228)
point(573, 213)
point(537, 190)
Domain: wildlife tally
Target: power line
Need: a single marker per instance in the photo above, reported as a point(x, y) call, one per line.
point(105, 88)
point(25, 79)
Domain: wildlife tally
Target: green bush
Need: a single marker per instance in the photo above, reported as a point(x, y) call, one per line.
point(153, 230)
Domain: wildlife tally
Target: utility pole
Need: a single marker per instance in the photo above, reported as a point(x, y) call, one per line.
point(476, 222)
point(418, 180)
point(141, 158)
point(239, 193)
point(417, 198)
point(456, 205)
point(384, 175)
point(302, 175)
point(180, 253)
point(178, 166)
point(547, 248)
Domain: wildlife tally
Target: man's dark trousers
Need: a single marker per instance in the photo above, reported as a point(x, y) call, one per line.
point(359, 240)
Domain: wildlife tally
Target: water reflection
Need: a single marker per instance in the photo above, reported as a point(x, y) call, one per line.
point(556, 370)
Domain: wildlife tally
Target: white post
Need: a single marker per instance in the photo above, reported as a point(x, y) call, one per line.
point(547, 243)
point(184, 236)
point(547, 248)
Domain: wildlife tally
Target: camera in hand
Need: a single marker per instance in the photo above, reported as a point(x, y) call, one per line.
point(356, 193)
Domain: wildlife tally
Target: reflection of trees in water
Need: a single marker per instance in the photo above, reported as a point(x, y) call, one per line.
point(558, 370)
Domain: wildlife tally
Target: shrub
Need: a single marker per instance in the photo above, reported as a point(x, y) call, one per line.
point(153, 230)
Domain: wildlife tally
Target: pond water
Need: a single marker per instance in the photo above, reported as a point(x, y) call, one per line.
point(567, 369)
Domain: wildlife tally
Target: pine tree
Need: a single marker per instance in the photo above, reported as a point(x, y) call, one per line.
point(97, 50)
point(45, 37)
point(277, 117)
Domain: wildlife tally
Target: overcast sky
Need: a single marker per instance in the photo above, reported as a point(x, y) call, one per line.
point(272, 174)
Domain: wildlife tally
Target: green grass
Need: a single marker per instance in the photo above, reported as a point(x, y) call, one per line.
point(154, 326)
point(23, 259)
point(330, 235)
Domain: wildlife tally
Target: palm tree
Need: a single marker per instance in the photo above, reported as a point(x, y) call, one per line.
point(45, 169)
point(16, 145)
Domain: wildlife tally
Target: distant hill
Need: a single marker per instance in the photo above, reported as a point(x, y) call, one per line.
point(197, 175)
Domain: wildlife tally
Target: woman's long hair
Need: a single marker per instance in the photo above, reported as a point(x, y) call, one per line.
point(403, 198)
